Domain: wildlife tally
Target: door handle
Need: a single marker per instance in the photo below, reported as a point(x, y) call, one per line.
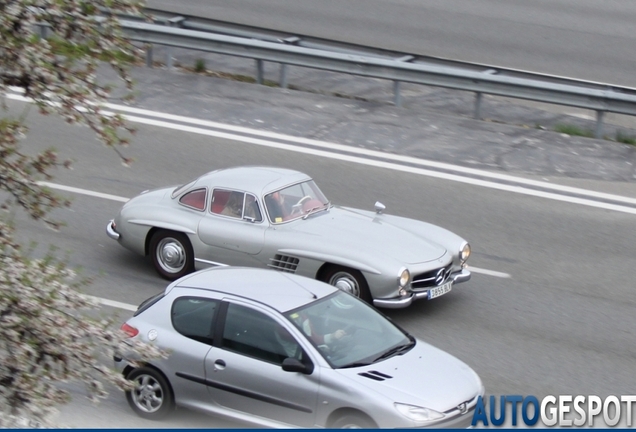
point(219, 364)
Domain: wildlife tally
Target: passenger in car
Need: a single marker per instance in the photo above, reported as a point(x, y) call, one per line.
point(234, 206)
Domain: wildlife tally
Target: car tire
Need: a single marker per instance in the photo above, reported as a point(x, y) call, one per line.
point(172, 254)
point(353, 421)
point(348, 280)
point(151, 398)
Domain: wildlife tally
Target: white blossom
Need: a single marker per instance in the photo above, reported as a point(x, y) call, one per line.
point(46, 335)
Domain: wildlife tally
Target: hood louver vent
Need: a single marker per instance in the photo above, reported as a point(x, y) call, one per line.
point(375, 375)
point(284, 263)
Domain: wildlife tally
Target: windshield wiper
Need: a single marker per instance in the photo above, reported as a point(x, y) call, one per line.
point(400, 349)
point(355, 364)
point(316, 209)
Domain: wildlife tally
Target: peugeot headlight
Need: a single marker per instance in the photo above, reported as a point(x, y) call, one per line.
point(404, 277)
point(464, 252)
point(418, 414)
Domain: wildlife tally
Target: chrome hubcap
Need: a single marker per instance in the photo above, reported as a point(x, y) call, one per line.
point(345, 282)
point(171, 255)
point(147, 395)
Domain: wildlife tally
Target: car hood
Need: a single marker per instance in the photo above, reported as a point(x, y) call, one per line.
point(424, 376)
point(351, 228)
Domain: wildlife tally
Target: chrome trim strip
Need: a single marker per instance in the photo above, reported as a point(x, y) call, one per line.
point(394, 303)
point(212, 263)
point(398, 303)
point(460, 277)
point(111, 232)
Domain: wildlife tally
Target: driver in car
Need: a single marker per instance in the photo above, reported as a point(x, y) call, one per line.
point(305, 324)
point(275, 206)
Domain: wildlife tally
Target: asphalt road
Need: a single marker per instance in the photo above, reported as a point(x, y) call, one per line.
point(586, 39)
point(561, 324)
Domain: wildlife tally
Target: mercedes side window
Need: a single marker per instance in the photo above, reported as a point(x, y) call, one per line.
point(194, 199)
point(227, 203)
point(193, 317)
point(252, 211)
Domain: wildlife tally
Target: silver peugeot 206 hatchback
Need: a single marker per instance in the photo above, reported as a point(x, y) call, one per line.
point(277, 350)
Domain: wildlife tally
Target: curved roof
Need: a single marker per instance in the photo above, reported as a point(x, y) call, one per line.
point(255, 179)
point(281, 291)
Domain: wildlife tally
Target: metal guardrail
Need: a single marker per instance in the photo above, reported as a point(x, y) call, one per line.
point(263, 45)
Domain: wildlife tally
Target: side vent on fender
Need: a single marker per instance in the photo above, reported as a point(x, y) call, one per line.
point(284, 263)
point(375, 375)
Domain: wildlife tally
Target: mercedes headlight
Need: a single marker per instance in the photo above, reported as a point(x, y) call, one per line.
point(464, 252)
point(418, 414)
point(404, 277)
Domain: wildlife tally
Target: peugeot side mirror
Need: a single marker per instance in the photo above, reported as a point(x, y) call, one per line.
point(294, 365)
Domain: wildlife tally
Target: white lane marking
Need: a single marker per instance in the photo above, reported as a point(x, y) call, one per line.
point(397, 167)
point(115, 304)
point(339, 147)
point(488, 272)
point(581, 115)
point(374, 153)
point(83, 191)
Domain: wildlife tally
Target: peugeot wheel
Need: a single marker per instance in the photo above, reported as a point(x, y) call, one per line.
point(151, 396)
point(353, 421)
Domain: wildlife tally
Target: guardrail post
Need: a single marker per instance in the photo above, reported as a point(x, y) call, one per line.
point(149, 60)
point(282, 81)
point(397, 97)
point(478, 97)
point(599, 124)
point(169, 57)
point(259, 71)
point(172, 22)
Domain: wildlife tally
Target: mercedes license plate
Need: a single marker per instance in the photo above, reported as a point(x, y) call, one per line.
point(440, 290)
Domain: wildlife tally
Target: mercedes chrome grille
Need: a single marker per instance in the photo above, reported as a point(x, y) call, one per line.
point(431, 278)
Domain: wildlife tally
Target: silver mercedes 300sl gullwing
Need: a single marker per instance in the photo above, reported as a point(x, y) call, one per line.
point(278, 218)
